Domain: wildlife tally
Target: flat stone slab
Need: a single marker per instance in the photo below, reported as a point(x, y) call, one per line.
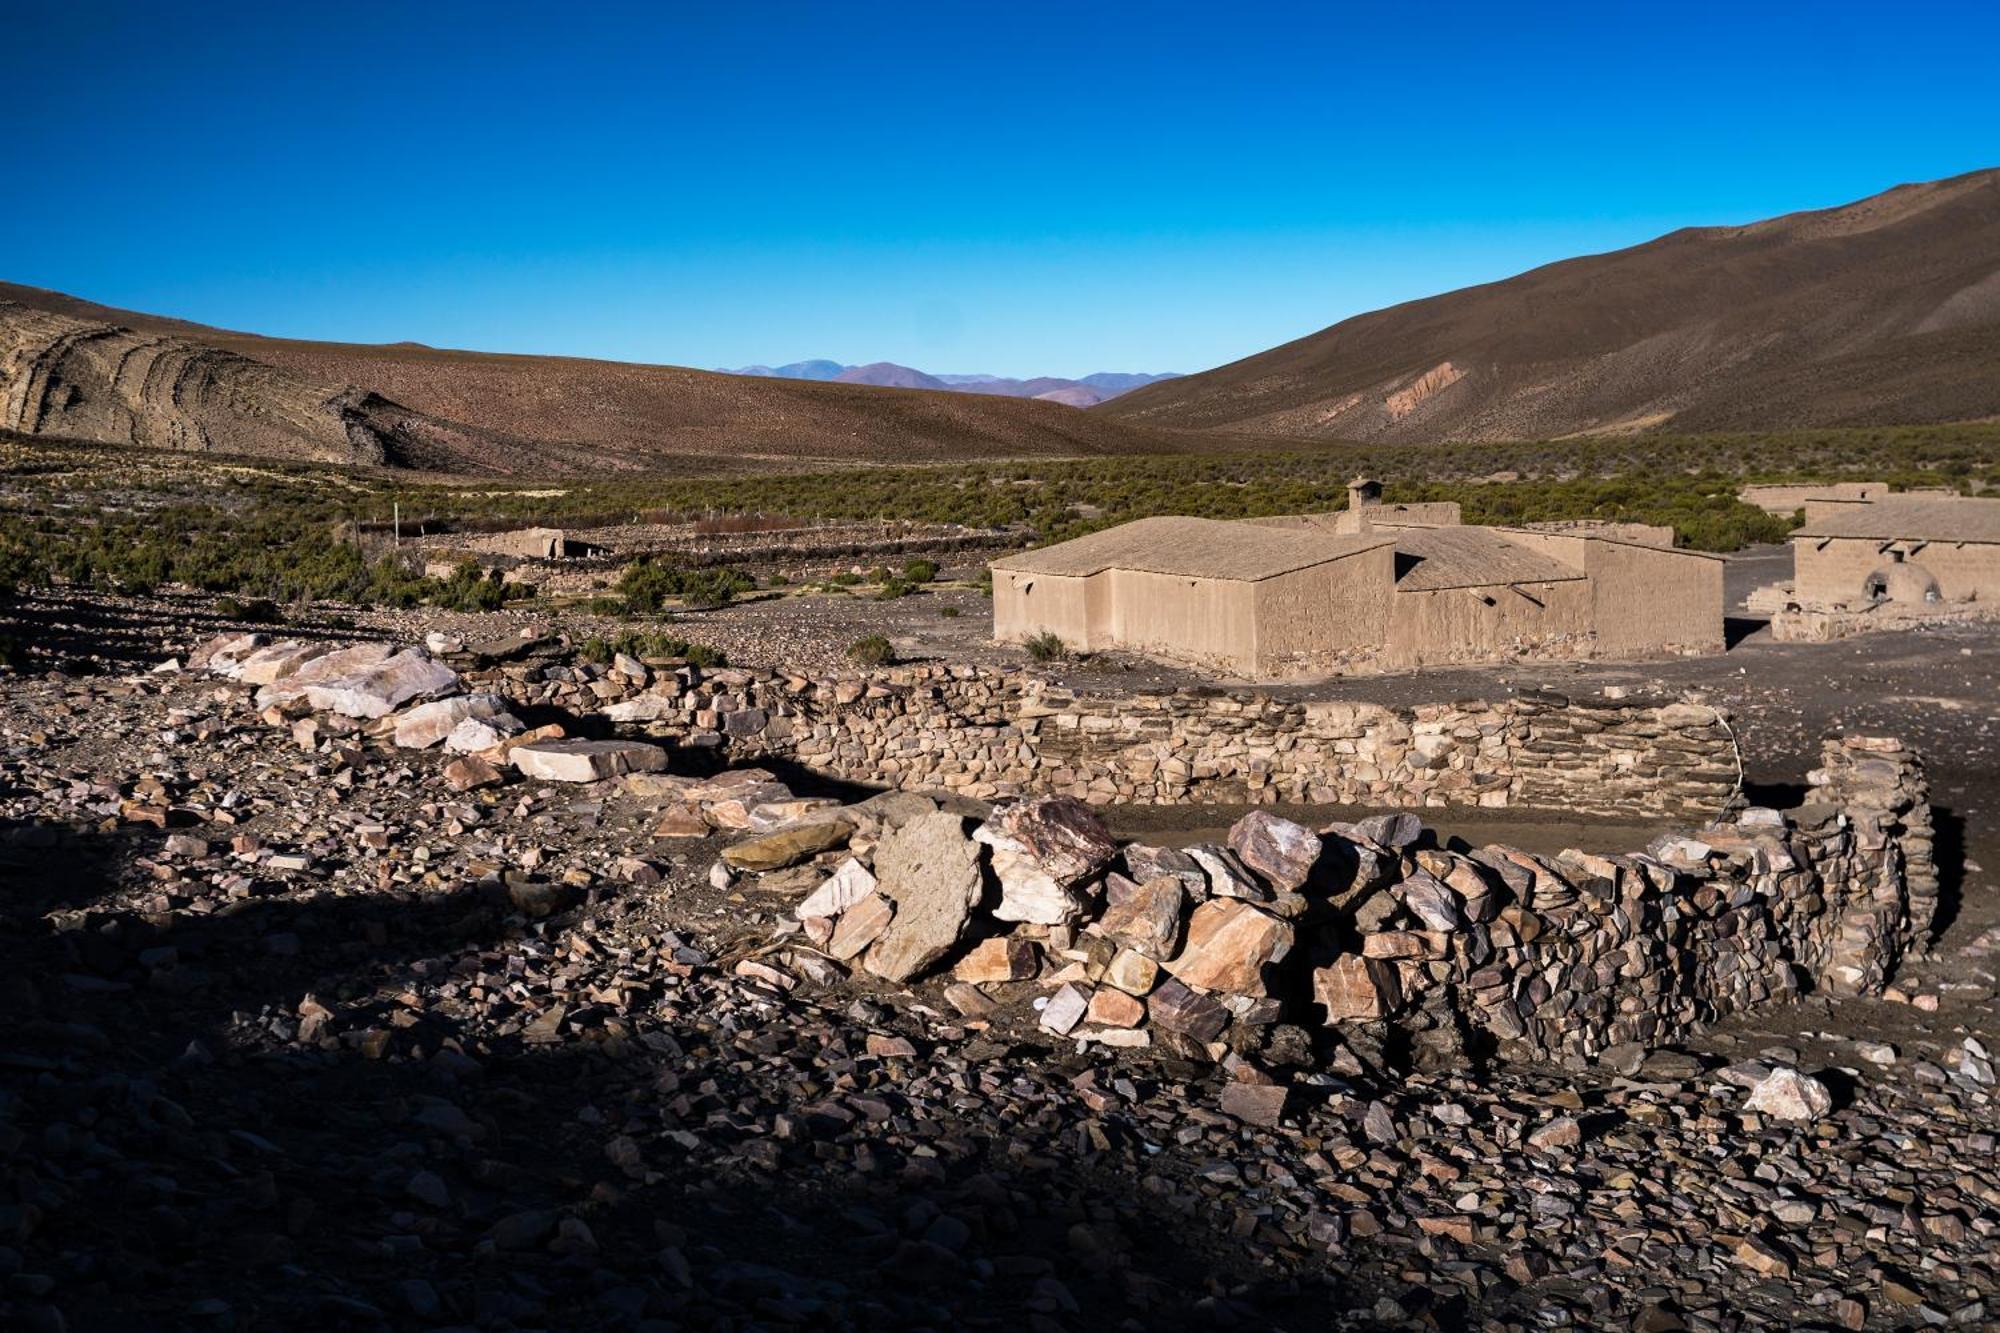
point(586, 761)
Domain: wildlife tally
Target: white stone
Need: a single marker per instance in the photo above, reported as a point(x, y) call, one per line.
point(586, 761)
point(849, 883)
point(1787, 1094)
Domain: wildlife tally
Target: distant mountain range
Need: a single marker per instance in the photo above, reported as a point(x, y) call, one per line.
point(1880, 312)
point(1088, 391)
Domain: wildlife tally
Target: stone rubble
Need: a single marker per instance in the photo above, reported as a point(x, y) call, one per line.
point(304, 1031)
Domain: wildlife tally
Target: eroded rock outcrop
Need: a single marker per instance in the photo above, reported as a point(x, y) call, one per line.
point(76, 379)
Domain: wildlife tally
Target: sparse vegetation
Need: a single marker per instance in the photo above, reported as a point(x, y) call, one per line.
point(251, 611)
point(873, 650)
point(647, 585)
point(1047, 647)
point(646, 645)
point(920, 571)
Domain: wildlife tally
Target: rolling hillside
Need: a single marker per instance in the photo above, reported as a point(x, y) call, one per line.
point(73, 369)
point(1885, 311)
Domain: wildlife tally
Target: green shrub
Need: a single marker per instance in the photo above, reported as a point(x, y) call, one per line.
point(874, 650)
point(948, 612)
point(471, 589)
point(1047, 647)
point(920, 571)
point(646, 585)
point(893, 589)
point(845, 579)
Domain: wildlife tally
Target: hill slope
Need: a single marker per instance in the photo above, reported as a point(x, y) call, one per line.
point(1883, 311)
point(85, 368)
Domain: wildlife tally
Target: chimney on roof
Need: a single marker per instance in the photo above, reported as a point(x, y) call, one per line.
point(1364, 493)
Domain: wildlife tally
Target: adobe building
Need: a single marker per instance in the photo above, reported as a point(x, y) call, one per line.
point(1373, 588)
point(1923, 550)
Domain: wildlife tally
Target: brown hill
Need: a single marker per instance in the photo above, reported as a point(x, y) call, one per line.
point(1885, 311)
point(113, 376)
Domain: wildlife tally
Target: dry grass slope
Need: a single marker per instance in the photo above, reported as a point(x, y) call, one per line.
point(474, 412)
point(1885, 311)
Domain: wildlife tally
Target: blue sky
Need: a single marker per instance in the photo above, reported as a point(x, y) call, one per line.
point(1015, 188)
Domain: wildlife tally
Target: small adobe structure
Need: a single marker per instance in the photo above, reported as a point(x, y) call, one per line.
point(1375, 587)
point(1900, 551)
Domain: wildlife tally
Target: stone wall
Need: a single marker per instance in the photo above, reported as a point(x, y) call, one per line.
point(993, 734)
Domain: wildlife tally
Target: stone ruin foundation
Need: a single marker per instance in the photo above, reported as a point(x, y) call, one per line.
point(1351, 939)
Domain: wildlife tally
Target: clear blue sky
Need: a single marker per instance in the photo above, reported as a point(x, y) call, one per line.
point(1015, 188)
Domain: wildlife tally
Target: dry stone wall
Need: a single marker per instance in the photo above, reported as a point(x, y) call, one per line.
point(994, 734)
point(1372, 930)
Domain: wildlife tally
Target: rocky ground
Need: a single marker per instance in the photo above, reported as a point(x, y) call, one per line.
point(313, 1040)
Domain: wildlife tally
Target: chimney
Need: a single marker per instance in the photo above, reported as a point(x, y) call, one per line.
point(1364, 493)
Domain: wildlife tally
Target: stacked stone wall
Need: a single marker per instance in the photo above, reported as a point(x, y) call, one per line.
point(993, 734)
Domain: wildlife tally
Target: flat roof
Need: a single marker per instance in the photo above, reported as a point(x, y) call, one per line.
point(1938, 518)
point(1202, 548)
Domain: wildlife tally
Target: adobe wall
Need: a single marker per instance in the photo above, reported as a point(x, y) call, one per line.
point(1784, 501)
point(991, 734)
point(1209, 622)
point(1646, 600)
point(1025, 605)
point(1834, 569)
point(1332, 617)
point(1448, 625)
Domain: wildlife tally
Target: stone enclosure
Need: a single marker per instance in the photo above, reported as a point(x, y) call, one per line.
point(1364, 933)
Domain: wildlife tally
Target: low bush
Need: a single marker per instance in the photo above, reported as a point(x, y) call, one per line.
point(874, 650)
point(1047, 647)
point(920, 571)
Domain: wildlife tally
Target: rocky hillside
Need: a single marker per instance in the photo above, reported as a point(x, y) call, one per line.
point(76, 370)
point(1885, 311)
point(84, 379)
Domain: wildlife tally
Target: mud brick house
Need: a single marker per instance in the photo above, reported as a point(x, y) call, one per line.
point(1373, 588)
point(1900, 549)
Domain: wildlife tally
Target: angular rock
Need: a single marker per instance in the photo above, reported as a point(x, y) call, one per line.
point(1229, 944)
point(1178, 1009)
point(1115, 1009)
point(585, 761)
point(930, 869)
point(470, 772)
point(1227, 876)
point(1043, 849)
point(788, 846)
point(379, 690)
point(426, 725)
point(1254, 1103)
point(1064, 1010)
point(860, 926)
point(1787, 1094)
point(1357, 989)
point(849, 883)
point(1148, 920)
point(1149, 863)
point(1283, 852)
point(1002, 958)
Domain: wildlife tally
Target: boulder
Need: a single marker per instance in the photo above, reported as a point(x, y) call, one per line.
point(268, 665)
point(789, 845)
point(1147, 863)
point(1229, 944)
point(425, 725)
point(585, 761)
point(930, 869)
point(1283, 852)
point(378, 690)
point(1147, 921)
point(1787, 1094)
point(1042, 851)
point(1227, 876)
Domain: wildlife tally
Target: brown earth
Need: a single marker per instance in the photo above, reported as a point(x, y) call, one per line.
point(76, 370)
point(1885, 311)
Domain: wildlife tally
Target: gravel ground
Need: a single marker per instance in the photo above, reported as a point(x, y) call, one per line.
point(405, 1057)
